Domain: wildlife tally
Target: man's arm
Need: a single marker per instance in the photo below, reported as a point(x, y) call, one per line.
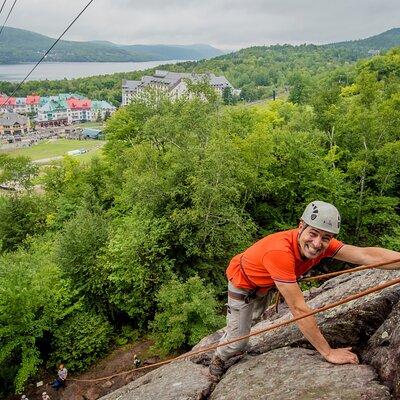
point(368, 255)
point(295, 300)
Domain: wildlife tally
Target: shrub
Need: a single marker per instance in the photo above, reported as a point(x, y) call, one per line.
point(80, 340)
point(21, 216)
point(77, 251)
point(128, 334)
point(186, 313)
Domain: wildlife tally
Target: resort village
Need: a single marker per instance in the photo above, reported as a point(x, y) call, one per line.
point(20, 116)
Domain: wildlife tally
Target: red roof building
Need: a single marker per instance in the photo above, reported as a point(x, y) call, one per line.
point(78, 104)
point(6, 101)
point(32, 100)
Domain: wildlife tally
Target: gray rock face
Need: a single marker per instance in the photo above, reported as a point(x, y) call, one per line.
point(177, 381)
point(383, 352)
point(298, 374)
point(208, 341)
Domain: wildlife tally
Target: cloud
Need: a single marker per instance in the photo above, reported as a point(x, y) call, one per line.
point(222, 23)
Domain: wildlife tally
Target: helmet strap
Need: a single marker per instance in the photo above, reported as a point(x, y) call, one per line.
point(304, 227)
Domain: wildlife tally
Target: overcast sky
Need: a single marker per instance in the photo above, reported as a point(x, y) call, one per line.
point(226, 24)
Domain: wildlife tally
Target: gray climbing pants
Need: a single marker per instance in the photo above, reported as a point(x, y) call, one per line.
point(241, 316)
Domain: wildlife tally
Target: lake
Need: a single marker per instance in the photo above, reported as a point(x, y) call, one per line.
point(69, 70)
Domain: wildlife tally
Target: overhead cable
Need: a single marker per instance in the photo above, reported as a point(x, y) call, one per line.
point(1, 9)
point(1, 30)
point(48, 51)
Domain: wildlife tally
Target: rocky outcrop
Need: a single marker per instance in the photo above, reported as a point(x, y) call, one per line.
point(275, 368)
point(383, 352)
point(179, 380)
point(298, 374)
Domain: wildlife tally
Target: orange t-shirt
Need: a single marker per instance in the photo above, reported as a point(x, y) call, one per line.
point(275, 257)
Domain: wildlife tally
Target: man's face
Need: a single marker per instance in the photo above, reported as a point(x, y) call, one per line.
point(313, 241)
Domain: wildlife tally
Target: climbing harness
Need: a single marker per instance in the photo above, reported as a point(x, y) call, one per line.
point(252, 293)
point(192, 353)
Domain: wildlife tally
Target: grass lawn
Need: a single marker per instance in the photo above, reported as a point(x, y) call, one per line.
point(59, 147)
point(95, 125)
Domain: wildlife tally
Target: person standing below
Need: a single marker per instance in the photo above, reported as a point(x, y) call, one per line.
point(45, 396)
point(61, 379)
point(278, 260)
point(137, 362)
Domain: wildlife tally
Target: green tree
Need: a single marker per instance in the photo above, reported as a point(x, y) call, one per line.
point(72, 186)
point(21, 216)
point(17, 172)
point(228, 97)
point(78, 253)
point(186, 312)
point(301, 89)
point(137, 262)
point(33, 300)
point(80, 340)
point(363, 125)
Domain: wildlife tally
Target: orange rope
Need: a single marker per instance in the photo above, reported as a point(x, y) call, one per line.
point(274, 326)
point(348, 271)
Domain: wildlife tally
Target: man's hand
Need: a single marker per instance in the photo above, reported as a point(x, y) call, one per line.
point(341, 356)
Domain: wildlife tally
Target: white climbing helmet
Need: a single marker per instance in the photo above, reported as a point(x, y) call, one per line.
point(321, 215)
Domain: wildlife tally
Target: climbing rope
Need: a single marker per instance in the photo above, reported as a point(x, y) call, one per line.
point(185, 356)
point(348, 271)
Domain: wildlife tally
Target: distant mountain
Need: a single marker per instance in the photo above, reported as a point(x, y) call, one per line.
point(381, 42)
point(174, 52)
point(19, 46)
point(259, 70)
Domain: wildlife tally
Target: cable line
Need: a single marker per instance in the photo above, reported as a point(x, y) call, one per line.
point(348, 271)
point(48, 51)
point(1, 9)
point(1, 30)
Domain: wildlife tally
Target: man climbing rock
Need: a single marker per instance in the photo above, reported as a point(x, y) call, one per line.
point(278, 260)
